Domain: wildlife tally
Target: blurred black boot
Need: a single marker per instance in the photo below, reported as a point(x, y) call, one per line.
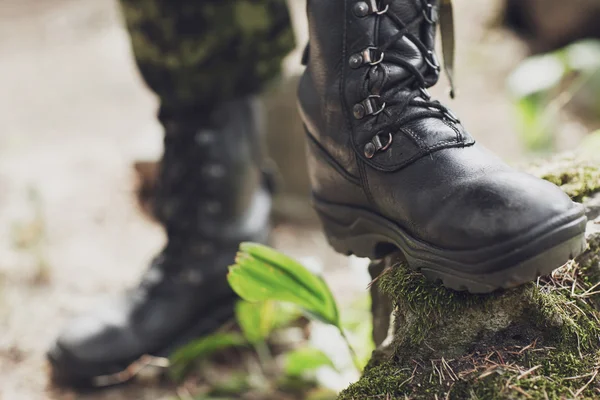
point(211, 196)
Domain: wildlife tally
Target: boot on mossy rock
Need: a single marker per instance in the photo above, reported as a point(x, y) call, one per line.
point(393, 169)
point(539, 341)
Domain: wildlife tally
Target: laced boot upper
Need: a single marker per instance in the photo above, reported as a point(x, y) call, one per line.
point(391, 64)
point(378, 142)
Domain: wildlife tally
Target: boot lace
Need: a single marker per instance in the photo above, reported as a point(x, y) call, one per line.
point(414, 94)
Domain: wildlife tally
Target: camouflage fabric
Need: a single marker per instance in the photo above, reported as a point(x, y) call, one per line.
point(195, 53)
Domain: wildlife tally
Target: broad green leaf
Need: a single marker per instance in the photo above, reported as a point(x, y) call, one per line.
point(305, 360)
point(204, 347)
point(261, 274)
point(257, 320)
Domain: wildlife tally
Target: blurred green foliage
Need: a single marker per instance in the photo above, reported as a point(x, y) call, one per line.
point(183, 359)
point(542, 86)
point(303, 360)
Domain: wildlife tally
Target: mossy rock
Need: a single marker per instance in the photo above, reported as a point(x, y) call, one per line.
point(538, 341)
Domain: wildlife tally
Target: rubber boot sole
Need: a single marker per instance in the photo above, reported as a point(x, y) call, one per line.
point(354, 231)
point(68, 371)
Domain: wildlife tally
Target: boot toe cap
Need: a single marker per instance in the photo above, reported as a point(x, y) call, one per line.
point(497, 208)
point(92, 345)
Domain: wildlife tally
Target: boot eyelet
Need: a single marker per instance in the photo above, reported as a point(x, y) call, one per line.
point(214, 171)
point(361, 9)
point(359, 111)
point(370, 56)
point(213, 208)
point(377, 145)
point(356, 61)
point(372, 102)
point(369, 106)
point(370, 150)
point(204, 137)
point(204, 249)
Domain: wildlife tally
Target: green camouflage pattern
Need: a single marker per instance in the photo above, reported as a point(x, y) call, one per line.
point(195, 53)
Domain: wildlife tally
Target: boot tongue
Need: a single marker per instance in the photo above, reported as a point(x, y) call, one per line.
point(407, 11)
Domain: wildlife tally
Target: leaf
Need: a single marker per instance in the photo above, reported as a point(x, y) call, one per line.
point(183, 358)
point(286, 314)
point(305, 360)
point(262, 274)
point(537, 74)
point(536, 126)
point(257, 320)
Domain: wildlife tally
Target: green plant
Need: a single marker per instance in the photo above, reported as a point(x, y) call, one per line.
point(262, 274)
point(182, 360)
point(304, 360)
point(257, 321)
point(275, 291)
point(543, 85)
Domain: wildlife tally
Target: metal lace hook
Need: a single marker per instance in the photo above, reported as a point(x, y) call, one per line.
point(375, 96)
point(387, 7)
point(367, 56)
point(430, 14)
point(376, 145)
point(374, 6)
point(432, 61)
point(389, 143)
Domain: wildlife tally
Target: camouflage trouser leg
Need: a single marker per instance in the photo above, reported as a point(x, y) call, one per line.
point(195, 53)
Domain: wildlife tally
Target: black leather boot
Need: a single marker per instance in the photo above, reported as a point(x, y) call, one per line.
point(393, 169)
point(212, 195)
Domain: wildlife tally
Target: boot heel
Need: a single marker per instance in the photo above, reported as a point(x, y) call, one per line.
point(352, 239)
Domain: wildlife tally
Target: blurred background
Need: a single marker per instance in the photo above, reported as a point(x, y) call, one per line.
point(79, 137)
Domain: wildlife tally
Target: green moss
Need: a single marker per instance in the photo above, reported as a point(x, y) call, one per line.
point(384, 379)
point(411, 288)
point(550, 329)
point(577, 178)
point(427, 301)
point(508, 374)
point(576, 318)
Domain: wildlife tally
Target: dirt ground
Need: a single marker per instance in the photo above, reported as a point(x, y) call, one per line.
point(75, 115)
